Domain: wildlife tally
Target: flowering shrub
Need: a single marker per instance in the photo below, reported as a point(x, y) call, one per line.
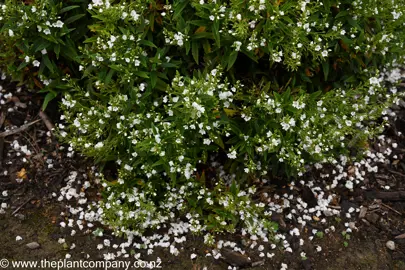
point(257, 85)
point(39, 41)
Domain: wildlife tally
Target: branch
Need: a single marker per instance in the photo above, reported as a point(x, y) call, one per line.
point(17, 130)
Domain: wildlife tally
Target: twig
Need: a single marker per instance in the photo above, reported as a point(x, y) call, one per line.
point(17, 102)
point(35, 147)
point(18, 209)
point(388, 196)
point(392, 209)
point(1, 151)
point(401, 236)
point(47, 121)
point(17, 130)
point(2, 118)
point(397, 173)
point(335, 207)
point(258, 263)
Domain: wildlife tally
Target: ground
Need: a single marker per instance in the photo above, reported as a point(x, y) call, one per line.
point(33, 212)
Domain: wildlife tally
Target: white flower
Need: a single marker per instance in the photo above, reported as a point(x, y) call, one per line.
point(225, 95)
point(374, 81)
point(44, 51)
point(47, 31)
point(36, 63)
point(61, 240)
point(324, 53)
point(107, 242)
point(134, 15)
point(292, 122)
point(285, 126)
point(10, 33)
point(237, 45)
point(198, 107)
point(232, 155)
point(18, 238)
point(193, 256)
point(207, 141)
point(58, 24)
point(99, 145)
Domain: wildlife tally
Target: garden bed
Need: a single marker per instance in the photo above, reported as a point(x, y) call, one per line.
point(34, 179)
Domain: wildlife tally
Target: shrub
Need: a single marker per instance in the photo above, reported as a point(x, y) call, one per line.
point(261, 86)
point(38, 42)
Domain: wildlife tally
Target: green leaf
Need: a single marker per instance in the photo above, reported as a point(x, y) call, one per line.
point(194, 50)
point(116, 67)
point(199, 23)
point(50, 96)
point(232, 59)
point(218, 141)
point(147, 43)
point(157, 163)
point(90, 40)
point(152, 21)
point(342, 13)
point(250, 55)
point(66, 9)
point(168, 65)
point(74, 18)
point(142, 74)
point(215, 31)
point(314, 96)
point(319, 234)
point(351, 79)
point(47, 62)
point(110, 73)
point(206, 46)
point(205, 35)
point(41, 44)
point(325, 68)
point(233, 188)
point(161, 85)
point(187, 45)
point(179, 7)
point(153, 78)
point(305, 78)
point(56, 49)
point(22, 65)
